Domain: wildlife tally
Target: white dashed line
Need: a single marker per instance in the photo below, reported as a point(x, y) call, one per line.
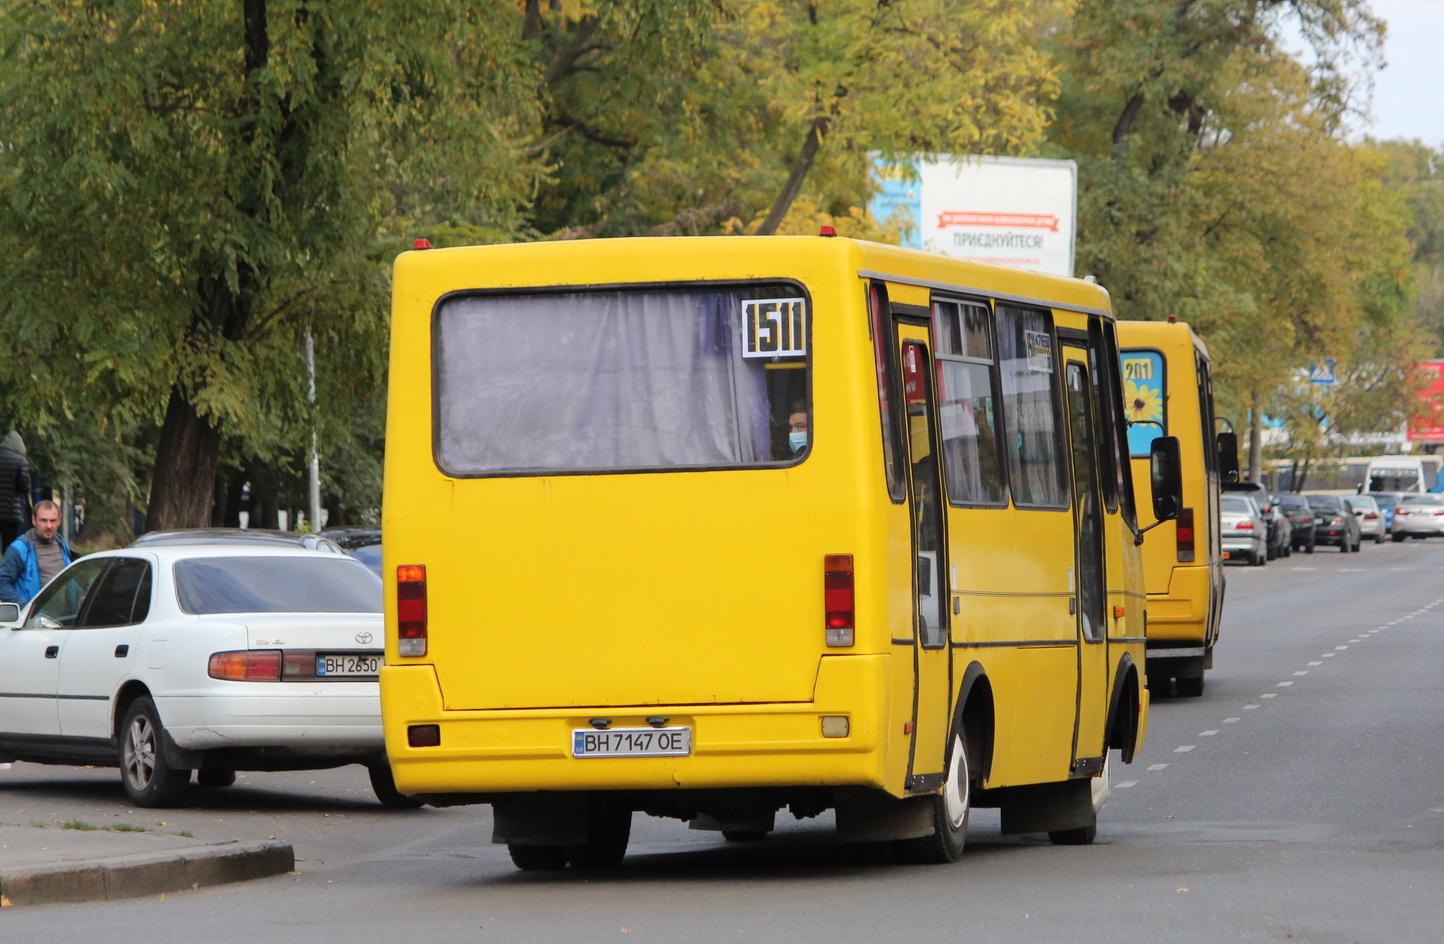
point(1208, 734)
point(1232, 720)
point(1125, 784)
point(1156, 766)
point(1183, 749)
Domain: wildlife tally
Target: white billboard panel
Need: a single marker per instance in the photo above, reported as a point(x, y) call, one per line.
point(1014, 211)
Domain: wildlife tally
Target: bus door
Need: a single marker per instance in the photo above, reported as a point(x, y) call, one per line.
point(1089, 572)
point(932, 655)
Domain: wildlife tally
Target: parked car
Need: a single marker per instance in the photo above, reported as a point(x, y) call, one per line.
point(1371, 518)
point(1419, 516)
point(167, 658)
point(1280, 530)
point(1301, 521)
point(315, 542)
point(1244, 531)
point(1387, 502)
point(1334, 523)
point(361, 542)
point(1278, 540)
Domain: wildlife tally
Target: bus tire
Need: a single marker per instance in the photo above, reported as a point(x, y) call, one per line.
point(537, 858)
point(1190, 686)
point(950, 813)
point(1078, 836)
point(609, 829)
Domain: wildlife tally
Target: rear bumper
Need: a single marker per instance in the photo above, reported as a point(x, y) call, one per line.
point(764, 745)
point(1180, 616)
point(338, 719)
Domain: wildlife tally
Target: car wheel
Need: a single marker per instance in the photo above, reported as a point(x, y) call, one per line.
point(148, 780)
point(1259, 559)
point(950, 814)
point(1398, 537)
point(1379, 538)
point(1309, 547)
point(384, 786)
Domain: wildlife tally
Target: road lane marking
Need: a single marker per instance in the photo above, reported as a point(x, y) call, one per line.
point(1232, 720)
point(1207, 734)
point(1284, 684)
point(1183, 749)
point(1301, 672)
point(1157, 766)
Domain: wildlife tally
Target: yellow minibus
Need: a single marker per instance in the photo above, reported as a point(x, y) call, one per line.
point(713, 528)
point(1168, 389)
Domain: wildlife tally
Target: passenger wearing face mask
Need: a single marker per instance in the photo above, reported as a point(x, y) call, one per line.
point(797, 429)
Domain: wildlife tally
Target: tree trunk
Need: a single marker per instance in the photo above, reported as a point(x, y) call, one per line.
point(183, 483)
point(793, 187)
point(1255, 441)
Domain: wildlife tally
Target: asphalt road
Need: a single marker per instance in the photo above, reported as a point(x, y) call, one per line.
point(1301, 798)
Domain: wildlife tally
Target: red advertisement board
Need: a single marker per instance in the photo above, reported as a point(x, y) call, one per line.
point(1427, 426)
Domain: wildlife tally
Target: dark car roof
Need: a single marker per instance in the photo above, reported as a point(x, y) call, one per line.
point(1326, 501)
point(353, 536)
point(235, 536)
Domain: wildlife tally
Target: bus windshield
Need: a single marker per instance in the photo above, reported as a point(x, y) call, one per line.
point(637, 378)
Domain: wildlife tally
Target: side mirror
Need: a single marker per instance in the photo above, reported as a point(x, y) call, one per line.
point(9, 612)
point(1227, 448)
point(1166, 477)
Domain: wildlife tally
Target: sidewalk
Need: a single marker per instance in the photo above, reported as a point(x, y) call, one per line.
point(50, 865)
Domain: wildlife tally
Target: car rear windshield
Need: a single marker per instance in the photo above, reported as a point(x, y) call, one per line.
point(1331, 502)
point(1238, 506)
point(1423, 500)
point(276, 585)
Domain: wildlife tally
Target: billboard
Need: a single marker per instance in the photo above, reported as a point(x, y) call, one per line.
point(1015, 211)
point(1427, 425)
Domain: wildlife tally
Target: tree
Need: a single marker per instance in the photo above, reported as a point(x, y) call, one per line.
point(191, 186)
point(774, 101)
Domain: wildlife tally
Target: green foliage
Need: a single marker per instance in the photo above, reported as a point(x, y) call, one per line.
point(184, 193)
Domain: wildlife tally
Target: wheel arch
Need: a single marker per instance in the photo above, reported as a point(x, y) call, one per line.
point(973, 715)
point(129, 692)
point(1125, 709)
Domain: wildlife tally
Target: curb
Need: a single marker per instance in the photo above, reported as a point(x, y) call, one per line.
point(147, 873)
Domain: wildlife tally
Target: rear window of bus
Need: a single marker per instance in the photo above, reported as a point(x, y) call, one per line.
point(711, 376)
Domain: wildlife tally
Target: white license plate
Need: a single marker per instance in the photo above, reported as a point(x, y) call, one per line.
point(632, 742)
point(348, 666)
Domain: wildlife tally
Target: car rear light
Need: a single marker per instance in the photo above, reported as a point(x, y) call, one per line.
point(1401, 511)
point(837, 596)
point(1334, 522)
point(411, 609)
point(246, 665)
point(1184, 532)
point(1245, 526)
point(1370, 516)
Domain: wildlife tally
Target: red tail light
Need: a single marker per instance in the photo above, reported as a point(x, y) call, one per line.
point(246, 665)
point(1245, 526)
point(411, 609)
point(838, 599)
point(1184, 530)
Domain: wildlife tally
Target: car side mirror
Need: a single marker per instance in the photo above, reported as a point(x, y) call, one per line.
point(1166, 476)
point(9, 612)
point(1227, 449)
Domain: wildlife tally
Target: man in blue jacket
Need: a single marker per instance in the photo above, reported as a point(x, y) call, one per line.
point(35, 557)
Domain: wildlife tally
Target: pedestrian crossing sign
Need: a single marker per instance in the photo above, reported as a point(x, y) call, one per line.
point(1322, 373)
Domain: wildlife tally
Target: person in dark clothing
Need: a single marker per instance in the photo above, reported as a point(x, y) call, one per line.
point(14, 488)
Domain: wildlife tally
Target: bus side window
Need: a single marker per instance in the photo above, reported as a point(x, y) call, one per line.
point(968, 403)
point(885, 358)
point(1031, 407)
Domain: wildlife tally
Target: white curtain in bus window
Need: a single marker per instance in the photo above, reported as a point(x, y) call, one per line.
point(1030, 407)
point(967, 414)
point(625, 379)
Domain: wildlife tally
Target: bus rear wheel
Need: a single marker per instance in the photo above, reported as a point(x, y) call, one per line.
point(950, 814)
point(537, 858)
point(609, 829)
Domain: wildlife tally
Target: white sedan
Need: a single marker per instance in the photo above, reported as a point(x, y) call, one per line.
point(173, 658)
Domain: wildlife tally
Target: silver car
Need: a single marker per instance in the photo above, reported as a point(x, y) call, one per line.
point(1244, 529)
point(1370, 515)
point(1419, 516)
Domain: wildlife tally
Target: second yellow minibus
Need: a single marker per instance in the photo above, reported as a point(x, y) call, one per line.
point(1168, 389)
point(714, 528)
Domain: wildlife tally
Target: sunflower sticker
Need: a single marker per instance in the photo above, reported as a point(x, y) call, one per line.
point(1143, 399)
